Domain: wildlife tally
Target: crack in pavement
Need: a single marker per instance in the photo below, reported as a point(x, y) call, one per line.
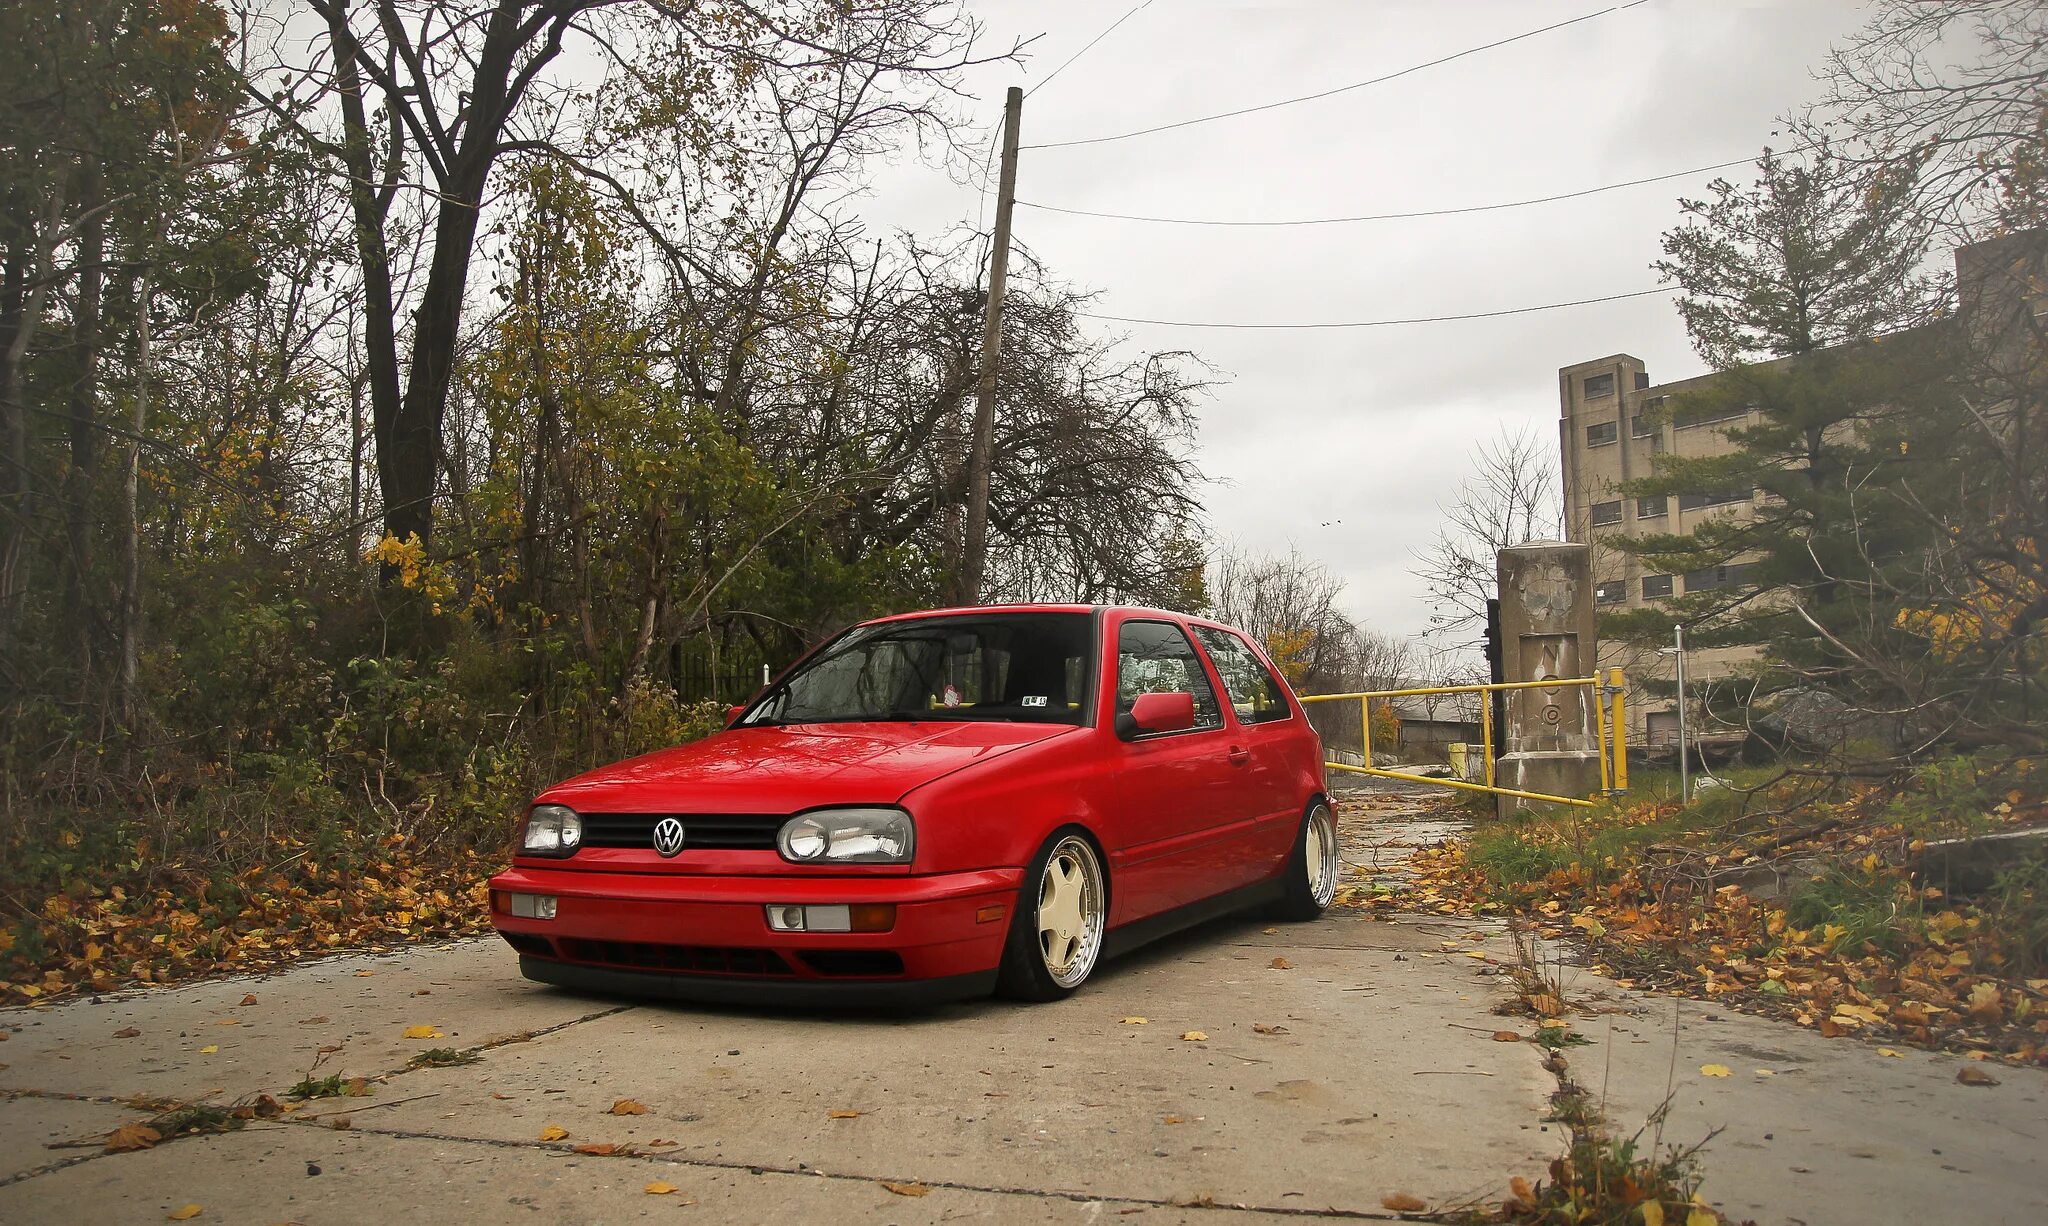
point(761, 1168)
point(134, 1101)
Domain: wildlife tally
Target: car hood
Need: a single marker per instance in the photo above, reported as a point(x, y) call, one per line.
point(787, 769)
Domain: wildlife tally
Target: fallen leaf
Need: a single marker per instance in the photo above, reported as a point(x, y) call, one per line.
point(659, 1188)
point(1195, 1036)
point(1282, 964)
point(553, 1132)
point(598, 1149)
point(907, 1189)
point(1971, 1075)
point(1172, 1119)
point(130, 1137)
point(1767, 1072)
point(1270, 931)
point(356, 1087)
point(842, 1113)
point(227, 1021)
point(312, 1021)
point(183, 1213)
point(209, 1049)
point(1401, 1202)
point(341, 1123)
point(1135, 1021)
point(249, 998)
point(1886, 1051)
point(627, 1106)
point(1546, 1004)
point(1714, 1070)
point(1507, 1036)
point(1262, 1028)
point(1521, 1189)
point(364, 974)
point(1473, 953)
point(127, 1032)
point(422, 1032)
point(1702, 1216)
point(1653, 1213)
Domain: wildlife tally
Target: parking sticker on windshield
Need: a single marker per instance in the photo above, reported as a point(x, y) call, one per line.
point(951, 697)
point(1034, 700)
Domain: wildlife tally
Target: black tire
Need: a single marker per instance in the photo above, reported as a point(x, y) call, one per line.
point(1027, 971)
point(1307, 895)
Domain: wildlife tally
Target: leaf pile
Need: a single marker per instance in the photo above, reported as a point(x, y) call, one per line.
point(1858, 945)
point(113, 923)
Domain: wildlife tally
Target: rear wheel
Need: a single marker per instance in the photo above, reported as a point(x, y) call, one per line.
point(1061, 916)
point(1311, 874)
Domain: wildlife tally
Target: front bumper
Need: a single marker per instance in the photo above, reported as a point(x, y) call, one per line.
point(706, 937)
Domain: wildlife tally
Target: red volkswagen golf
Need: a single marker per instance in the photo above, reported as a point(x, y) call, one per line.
point(934, 806)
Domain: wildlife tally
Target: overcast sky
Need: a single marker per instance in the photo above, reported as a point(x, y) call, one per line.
point(1373, 427)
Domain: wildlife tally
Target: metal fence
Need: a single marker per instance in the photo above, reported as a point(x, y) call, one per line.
point(1609, 713)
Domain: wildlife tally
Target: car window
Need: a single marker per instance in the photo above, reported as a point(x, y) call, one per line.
point(1254, 693)
point(1028, 667)
point(1157, 658)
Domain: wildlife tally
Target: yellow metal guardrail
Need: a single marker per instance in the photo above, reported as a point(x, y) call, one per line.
point(1609, 713)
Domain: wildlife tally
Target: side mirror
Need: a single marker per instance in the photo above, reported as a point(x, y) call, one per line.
point(733, 712)
point(1158, 713)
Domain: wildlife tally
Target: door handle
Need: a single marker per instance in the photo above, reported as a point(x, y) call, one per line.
point(1239, 755)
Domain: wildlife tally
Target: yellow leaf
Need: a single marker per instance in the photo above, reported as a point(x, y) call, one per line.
point(1653, 1213)
point(553, 1132)
point(1401, 1202)
point(1135, 1021)
point(1702, 1217)
point(1195, 1036)
point(907, 1189)
point(421, 1032)
point(842, 1113)
point(1282, 964)
point(1886, 1051)
point(1714, 1070)
point(183, 1213)
point(627, 1106)
point(209, 1049)
point(659, 1188)
point(1473, 953)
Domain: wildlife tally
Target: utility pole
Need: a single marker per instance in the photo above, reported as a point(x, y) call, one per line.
point(1684, 767)
point(981, 452)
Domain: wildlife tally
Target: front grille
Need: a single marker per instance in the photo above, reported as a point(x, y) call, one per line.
point(527, 943)
point(701, 831)
point(857, 963)
point(703, 959)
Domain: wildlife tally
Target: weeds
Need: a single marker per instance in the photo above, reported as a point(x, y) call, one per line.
point(442, 1057)
point(334, 1085)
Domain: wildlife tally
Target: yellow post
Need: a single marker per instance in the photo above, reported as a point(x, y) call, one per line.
point(1614, 678)
point(1486, 731)
point(1365, 727)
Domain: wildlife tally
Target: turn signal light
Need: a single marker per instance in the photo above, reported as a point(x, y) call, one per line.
point(528, 906)
point(861, 917)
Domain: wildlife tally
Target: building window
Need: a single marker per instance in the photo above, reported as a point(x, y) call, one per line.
point(1605, 513)
point(1642, 379)
point(1714, 578)
point(1653, 507)
point(1656, 587)
point(1598, 386)
point(1611, 593)
point(1640, 426)
point(1718, 498)
point(1601, 433)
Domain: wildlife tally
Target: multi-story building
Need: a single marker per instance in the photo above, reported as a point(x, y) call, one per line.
point(1610, 433)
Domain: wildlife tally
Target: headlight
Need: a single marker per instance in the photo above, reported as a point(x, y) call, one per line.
point(551, 830)
point(848, 836)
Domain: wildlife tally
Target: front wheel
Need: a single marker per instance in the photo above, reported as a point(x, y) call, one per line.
point(1311, 873)
point(1062, 913)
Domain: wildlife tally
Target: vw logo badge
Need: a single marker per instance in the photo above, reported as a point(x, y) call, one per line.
point(668, 836)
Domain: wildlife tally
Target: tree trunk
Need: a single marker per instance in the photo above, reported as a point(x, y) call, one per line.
point(85, 392)
point(131, 526)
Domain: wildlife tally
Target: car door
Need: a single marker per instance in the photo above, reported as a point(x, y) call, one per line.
point(1173, 792)
point(1265, 735)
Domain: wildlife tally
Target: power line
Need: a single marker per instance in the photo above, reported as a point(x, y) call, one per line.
point(1253, 110)
point(1381, 323)
point(1332, 221)
point(1090, 47)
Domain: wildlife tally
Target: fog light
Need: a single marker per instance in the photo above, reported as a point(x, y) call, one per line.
point(862, 917)
point(533, 906)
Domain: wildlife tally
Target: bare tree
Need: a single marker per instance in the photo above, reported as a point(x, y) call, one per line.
point(1512, 497)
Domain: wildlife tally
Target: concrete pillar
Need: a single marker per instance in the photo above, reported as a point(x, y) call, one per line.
point(1551, 742)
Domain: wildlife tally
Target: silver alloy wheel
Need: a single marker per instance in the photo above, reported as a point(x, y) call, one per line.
point(1071, 911)
point(1319, 847)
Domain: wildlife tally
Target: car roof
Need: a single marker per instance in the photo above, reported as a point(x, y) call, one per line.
point(1025, 608)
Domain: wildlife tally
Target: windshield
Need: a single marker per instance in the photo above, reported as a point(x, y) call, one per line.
point(1028, 667)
